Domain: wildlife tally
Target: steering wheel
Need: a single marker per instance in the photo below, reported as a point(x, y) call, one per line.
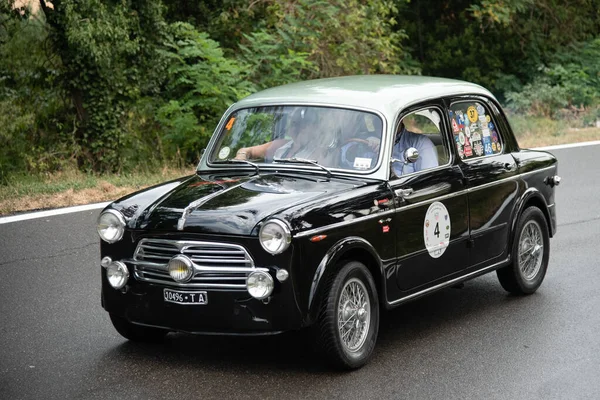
point(358, 148)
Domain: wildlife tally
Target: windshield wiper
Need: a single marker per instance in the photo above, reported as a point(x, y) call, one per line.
point(295, 160)
point(235, 161)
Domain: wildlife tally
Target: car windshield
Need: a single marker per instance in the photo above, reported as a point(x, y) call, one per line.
point(331, 137)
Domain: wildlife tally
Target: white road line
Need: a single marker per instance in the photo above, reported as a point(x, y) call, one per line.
point(67, 210)
point(49, 213)
point(568, 146)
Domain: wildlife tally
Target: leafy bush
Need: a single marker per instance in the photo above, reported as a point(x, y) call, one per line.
point(540, 98)
point(35, 124)
point(202, 83)
point(568, 87)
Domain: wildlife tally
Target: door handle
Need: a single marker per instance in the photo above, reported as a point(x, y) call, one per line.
point(404, 193)
point(509, 166)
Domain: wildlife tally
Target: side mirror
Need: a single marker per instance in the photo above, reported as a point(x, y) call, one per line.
point(411, 155)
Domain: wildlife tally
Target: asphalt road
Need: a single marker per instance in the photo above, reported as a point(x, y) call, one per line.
point(472, 343)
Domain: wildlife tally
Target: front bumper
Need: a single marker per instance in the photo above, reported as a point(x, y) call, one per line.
point(227, 312)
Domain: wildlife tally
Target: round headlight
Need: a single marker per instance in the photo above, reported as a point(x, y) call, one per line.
point(181, 269)
point(117, 274)
point(275, 236)
point(259, 284)
point(111, 226)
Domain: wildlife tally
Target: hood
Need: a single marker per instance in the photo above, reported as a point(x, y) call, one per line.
point(229, 205)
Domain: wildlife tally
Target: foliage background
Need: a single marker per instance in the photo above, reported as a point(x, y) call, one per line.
point(129, 85)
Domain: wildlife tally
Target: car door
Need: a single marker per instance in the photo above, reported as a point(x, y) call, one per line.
point(490, 171)
point(431, 217)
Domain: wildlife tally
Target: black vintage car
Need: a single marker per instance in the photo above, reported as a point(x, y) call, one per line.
point(317, 204)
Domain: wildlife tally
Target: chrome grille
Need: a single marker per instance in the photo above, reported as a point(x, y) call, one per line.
point(217, 265)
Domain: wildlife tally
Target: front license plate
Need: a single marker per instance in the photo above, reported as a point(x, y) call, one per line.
point(186, 298)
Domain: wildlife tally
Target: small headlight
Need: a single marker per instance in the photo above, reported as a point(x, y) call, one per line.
point(282, 275)
point(275, 236)
point(117, 274)
point(259, 284)
point(181, 269)
point(111, 226)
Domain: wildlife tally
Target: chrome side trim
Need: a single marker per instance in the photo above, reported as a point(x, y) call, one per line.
point(537, 170)
point(343, 223)
point(377, 215)
point(410, 206)
point(490, 184)
point(449, 283)
point(440, 198)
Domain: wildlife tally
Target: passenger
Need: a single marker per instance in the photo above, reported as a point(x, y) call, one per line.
point(405, 139)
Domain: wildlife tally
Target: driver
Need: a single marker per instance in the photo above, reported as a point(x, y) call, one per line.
point(302, 130)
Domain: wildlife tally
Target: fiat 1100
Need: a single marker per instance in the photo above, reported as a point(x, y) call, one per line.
point(318, 204)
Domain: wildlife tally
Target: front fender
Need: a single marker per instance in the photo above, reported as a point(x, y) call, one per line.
point(330, 263)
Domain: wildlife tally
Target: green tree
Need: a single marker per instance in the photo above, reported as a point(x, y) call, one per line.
point(108, 52)
point(500, 44)
point(307, 39)
point(202, 83)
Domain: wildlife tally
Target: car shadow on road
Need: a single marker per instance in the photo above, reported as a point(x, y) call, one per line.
point(402, 330)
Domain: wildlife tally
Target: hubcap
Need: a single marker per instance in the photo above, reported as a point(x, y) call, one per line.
point(531, 248)
point(354, 315)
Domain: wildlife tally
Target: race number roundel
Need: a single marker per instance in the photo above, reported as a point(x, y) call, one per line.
point(436, 229)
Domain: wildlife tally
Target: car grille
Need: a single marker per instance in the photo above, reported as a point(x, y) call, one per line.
point(217, 265)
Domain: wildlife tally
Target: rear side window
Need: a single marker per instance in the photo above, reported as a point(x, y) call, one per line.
point(474, 131)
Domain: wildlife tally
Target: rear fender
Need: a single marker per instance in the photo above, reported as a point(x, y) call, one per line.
point(531, 197)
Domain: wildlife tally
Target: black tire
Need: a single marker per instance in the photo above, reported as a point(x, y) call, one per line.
point(519, 277)
point(137, 333)
point(327, 330)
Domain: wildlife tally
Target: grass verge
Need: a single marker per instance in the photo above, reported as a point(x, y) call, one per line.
point(69, 188)
point(539, 132)
point(32, 192)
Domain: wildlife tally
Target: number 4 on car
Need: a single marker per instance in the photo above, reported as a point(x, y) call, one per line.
point(318, 205)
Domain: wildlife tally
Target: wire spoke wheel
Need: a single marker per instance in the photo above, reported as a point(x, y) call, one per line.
point(348, 321)
point(531, 248)
point(529, 254)
point(354, 314)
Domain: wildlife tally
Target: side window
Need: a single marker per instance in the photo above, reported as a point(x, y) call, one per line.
point(422, 130)
point(474, 131)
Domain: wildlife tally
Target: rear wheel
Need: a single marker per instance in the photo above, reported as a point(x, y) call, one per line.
point(137, 333)
point(349, 317)
point(530, 253)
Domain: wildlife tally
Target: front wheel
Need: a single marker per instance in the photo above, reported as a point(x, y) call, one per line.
point(530, 253)
point(137, 333)
point(349, 317)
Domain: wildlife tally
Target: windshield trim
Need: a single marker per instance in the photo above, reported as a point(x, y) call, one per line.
point(210, 148)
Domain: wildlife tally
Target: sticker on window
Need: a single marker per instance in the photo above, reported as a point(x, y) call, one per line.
point(362, 163)
point(472, 114)
point(369, 123)
point(224, 152)
point(230, 123)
